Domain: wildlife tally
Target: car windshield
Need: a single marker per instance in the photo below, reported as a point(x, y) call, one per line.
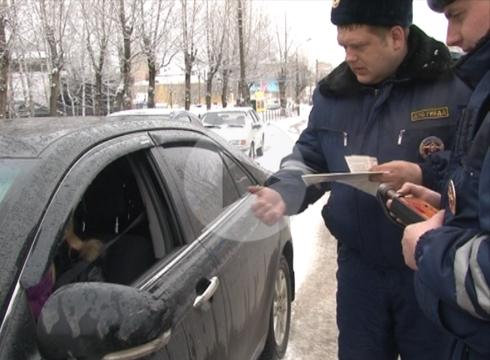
point(223, 119)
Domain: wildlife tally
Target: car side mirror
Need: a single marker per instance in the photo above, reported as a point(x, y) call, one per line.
point(91, 320)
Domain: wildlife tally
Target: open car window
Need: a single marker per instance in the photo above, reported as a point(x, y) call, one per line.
point(118, 230)
point(111, 227)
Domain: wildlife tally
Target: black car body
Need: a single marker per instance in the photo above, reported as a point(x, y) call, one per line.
point(187, 271)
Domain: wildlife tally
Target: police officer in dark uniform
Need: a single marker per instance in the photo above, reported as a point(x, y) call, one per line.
point(451, 251)
point(389, 100)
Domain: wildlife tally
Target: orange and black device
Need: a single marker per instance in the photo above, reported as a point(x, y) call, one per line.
point(404, 209)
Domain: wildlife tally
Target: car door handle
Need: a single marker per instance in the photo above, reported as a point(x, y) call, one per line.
point(207, 294)
point(140, 351)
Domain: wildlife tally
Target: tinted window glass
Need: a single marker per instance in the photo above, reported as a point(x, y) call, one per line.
point(240, 178)
point(9, 171)
point(207, 185)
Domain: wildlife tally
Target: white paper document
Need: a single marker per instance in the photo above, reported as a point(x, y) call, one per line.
point(359, 163)
point(358, 180)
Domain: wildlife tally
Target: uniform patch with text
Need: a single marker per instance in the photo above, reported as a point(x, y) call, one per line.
point(430, 114)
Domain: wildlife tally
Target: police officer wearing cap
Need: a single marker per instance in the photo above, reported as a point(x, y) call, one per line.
point(451, 251)
point(391, 98)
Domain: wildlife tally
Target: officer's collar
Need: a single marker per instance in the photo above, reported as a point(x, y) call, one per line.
point(473, 66)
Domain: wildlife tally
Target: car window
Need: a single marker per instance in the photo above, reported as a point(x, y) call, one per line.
point(109, 225)
point(225, 119)
point(240, 178)
point(11, 170)
point(205, 181)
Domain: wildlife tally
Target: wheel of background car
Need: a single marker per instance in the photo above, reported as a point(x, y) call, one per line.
point(260, 150)
point(280, 316)
point(251, 151)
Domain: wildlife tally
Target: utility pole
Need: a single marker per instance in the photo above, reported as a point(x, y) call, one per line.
point(316, 71)
point(297, 83)
point(243, 88)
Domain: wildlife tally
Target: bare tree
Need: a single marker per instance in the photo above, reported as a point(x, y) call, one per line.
point(226, 69)
point(217, 25)
point(21, 47)
point(189, 16)
point(54, 20)
point(243, 87)
point(7, 29)
point(155, 34)
point(284, 45)
point(127, 21)
point(98, 26)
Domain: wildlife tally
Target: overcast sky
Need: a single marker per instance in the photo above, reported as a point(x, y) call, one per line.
point(316, 37)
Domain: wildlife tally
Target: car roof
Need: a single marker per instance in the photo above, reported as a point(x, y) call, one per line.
point(150, 111)
point(30, 137)
point(231, 109)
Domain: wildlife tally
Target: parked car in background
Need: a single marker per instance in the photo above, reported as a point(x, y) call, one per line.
point(22, 109)
point(157, 113)
point(183, 270)
point(240, 126)
point(273, 104)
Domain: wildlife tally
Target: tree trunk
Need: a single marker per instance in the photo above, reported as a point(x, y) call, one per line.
point(152, 73)
point(4, 66)
point(124, 100)
point(124, 96)
point(55, 92)
point(209, 90)
point(282, 91)
point(224, 92)
point(84, 89)
point(244, 93)
point(98, 94)
point(188, 72)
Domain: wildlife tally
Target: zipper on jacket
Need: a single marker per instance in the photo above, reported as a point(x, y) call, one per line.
point(400, 136)
point(345, 138)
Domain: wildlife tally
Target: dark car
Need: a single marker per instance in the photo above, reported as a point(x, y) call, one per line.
point(184, 270)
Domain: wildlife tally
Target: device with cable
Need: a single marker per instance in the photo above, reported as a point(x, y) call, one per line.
point(405, 210)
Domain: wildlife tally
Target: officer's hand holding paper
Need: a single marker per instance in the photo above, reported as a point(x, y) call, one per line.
point(396, 173)
point(359, 177)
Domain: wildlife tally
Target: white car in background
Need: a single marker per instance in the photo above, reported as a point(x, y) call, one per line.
point(240, 126)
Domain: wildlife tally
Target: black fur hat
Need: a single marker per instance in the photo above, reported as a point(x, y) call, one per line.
point(438, 5)
point(372, 12)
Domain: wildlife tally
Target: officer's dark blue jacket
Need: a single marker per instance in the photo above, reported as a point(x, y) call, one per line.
point(453, 278)
point(389, 122)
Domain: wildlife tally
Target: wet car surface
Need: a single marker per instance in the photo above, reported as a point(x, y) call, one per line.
point(183, 270)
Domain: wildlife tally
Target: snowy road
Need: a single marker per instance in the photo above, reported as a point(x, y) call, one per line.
point(313, 329)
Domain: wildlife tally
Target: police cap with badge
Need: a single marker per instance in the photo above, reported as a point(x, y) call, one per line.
point(373, 12)
point(438, 5)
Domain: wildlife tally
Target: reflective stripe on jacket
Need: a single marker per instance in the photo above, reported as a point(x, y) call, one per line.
point(453, 280)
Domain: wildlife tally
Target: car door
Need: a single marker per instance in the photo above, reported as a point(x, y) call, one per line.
point(177, 272)
point(212, 186)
